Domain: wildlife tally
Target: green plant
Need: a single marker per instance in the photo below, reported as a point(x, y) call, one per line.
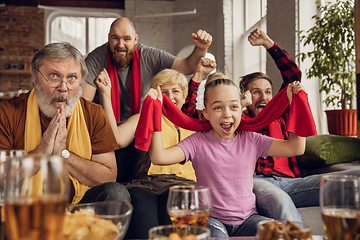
point(333, 57)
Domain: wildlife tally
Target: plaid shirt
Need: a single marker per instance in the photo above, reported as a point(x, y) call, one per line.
point(290, 72)
point(189, 107)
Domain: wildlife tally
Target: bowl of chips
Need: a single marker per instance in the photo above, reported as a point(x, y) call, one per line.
point(283, 229)
point(180, 232)
point(107, 220)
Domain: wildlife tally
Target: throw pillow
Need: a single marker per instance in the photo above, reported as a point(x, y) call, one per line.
point(323, 150)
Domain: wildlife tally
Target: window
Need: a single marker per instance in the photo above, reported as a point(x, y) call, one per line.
point(85, 33)
point(255, 17)
point(81, 27)
point(248, 15)
point(254, 12)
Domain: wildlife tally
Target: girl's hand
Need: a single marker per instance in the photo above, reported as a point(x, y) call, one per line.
point(298, 87)
point(245, 99)
point(103, 83)
point(159, 96)
point(289, 91)
point(293, 87)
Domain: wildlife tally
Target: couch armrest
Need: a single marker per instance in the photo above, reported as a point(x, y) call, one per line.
point(329, 153)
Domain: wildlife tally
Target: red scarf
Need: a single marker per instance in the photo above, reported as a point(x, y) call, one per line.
point(280, 163)
point(150, 118)
point(300, 123)
point(135, 78)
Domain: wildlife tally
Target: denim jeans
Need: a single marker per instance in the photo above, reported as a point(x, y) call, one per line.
point(278, 197)
point(247, 228)
point(106, 191)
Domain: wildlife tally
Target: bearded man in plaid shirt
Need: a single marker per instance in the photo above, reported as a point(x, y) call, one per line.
point(278, 185)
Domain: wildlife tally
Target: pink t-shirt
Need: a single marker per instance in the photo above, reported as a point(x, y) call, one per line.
point(227, 167)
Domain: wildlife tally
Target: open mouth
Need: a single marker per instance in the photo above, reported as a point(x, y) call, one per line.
point(121, 51)
point(226, 127)
point(175, 104)
point(260, 106)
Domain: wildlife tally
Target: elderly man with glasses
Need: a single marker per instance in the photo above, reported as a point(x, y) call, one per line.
point(53, 119)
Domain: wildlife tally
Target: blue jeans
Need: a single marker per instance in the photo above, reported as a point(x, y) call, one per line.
point(106, 191)
point(247, 228)
point(278, 197)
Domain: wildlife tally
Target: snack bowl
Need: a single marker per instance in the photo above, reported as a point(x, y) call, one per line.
point(283, 229)
point(171, 232)
point(100, 220)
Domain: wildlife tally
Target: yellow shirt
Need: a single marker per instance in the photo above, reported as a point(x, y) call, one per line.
point(171, 136)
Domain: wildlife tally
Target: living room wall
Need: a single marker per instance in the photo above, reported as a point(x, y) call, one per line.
point(22, 34)
point(172, 33)
point(22, 31)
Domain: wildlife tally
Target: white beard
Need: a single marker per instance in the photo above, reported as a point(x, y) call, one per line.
point(45, 104)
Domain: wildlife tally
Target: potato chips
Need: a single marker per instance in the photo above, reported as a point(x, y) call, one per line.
point(83, 224)
point(273, 230)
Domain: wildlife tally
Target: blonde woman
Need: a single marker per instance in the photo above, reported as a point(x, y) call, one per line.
point(149, 192)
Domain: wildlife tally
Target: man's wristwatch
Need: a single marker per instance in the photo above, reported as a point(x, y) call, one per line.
point(65, 153)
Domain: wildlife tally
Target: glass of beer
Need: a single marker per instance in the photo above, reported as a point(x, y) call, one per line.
point(172, 233)
point(340, 206)
point(36, 195)
point(4, 156)
point(189, 204)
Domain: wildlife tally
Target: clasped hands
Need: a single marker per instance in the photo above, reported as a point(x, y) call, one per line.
point(54, 138)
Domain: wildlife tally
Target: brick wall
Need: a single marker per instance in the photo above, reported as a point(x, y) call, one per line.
point(22, 33)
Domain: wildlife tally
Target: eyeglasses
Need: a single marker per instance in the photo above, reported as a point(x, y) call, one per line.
point(54, 81)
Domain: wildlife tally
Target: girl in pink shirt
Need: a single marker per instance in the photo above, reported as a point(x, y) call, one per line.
point(224, 158)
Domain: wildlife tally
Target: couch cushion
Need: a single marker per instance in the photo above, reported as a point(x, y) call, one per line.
point(324, 150)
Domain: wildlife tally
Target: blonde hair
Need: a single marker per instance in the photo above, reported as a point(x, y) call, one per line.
point(170, 77)
point(216, 82)
point(216, 75)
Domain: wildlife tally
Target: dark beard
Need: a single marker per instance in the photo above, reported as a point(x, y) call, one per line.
point(250, 113)
point(121, 62)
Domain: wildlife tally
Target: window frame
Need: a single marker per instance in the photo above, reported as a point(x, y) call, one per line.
point(53, 12)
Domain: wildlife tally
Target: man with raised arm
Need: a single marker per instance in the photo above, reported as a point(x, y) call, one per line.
point(131, 65)
point(278, 185)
